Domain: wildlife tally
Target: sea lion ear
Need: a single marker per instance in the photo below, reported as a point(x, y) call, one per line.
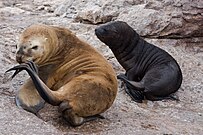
point(44, 39)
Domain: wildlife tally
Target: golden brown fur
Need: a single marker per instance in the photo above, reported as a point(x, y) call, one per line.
point(75, 73)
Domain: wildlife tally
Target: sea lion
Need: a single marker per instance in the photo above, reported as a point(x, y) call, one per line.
point(65, 72)
point(151, 72)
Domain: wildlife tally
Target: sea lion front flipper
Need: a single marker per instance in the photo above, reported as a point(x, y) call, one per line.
point(33, 109)
point(29, 99)
point(131, 84)
point(136, 96)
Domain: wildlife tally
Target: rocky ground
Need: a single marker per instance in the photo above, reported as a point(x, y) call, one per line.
point(125, 116)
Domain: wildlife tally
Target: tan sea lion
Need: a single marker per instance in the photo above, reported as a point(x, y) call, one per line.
point(151, 72)
point(69, 73)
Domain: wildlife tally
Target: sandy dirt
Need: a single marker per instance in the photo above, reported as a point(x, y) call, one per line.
point(125, 116)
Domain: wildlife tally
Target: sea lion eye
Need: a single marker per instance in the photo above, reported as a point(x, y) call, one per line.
point(35, 47)
point(16, 46)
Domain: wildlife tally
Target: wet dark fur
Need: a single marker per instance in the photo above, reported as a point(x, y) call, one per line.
point(151, 72)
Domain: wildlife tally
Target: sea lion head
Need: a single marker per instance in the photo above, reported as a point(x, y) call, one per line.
point(114, 34)
point(38, 43)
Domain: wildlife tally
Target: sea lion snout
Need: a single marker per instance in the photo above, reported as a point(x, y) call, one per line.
point(107, 33)
point(100, 31)
point(20, 54)
point(19, 58)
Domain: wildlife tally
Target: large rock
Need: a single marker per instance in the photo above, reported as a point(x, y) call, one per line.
point(92, 11)
point(151, 18)
point(11, 11)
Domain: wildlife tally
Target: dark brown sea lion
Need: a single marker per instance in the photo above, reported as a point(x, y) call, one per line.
point(151, 72)
point(69, 73)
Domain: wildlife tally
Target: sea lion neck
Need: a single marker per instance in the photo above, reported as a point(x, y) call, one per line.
point(129, 44)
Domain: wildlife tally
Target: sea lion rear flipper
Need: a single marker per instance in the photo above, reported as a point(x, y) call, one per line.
point(94, 117)
point(131, 84)
point(47, 94)
point(170, 97)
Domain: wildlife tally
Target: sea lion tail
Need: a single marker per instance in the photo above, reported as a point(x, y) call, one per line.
point(131, 84)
